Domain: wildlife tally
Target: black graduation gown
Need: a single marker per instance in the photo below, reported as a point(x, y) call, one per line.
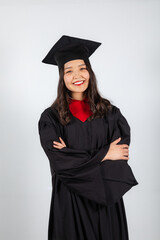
point(86, 202)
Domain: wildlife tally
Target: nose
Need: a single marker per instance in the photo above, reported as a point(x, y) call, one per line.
point(76, 74)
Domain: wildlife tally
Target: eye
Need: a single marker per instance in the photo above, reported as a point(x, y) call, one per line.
point(68, 71)
point(83, 68)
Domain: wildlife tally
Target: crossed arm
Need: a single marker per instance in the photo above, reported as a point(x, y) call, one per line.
point(115, 151)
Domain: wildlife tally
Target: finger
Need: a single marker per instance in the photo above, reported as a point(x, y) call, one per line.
point(57, 146)
point(125, 157)
point(57, 143)
point(125, 146)
point(117, 140)
point(62, 140)
point(126, 152)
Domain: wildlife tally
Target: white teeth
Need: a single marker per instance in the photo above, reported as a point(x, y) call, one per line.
point(78, 82)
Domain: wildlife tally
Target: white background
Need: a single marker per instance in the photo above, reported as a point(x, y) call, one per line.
point(127, 70)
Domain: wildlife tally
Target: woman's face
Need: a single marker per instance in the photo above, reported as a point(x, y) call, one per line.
point(75, 71)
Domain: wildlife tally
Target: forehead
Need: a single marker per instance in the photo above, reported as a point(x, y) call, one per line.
point(72, 63)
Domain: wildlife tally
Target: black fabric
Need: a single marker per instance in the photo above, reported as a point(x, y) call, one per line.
point(69, 48)
point(87, 194)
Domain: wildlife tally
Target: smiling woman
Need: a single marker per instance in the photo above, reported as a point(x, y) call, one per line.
point(77, 79)
point(86, 139)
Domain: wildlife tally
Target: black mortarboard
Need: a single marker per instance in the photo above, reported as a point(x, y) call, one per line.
point(69, 48)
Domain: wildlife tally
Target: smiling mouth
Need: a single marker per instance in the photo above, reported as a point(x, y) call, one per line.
point(79, 82)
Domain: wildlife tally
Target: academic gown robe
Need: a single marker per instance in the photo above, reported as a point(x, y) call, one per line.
point(87, 194)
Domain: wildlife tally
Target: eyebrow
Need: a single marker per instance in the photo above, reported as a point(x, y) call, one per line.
point(78, 65)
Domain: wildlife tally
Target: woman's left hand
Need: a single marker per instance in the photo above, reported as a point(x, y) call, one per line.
point(59, 145)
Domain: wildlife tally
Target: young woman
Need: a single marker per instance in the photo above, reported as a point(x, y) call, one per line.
point(86, 139)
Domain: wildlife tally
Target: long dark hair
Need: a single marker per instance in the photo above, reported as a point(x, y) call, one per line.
point(98, 105)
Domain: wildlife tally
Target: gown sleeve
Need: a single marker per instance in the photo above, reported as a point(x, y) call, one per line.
point(117, 174)
point(78, 170)
point(83, 172)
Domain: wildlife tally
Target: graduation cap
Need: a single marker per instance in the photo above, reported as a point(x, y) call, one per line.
point(69, 48)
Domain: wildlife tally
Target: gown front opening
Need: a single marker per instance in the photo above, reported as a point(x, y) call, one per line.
point(87, 194)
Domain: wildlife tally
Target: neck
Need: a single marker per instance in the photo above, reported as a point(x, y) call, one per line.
point(78, 97)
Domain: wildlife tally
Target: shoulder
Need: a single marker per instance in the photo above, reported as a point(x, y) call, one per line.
point(49, 115)
point(113, 113)
point(115, 109)
point(119, 116)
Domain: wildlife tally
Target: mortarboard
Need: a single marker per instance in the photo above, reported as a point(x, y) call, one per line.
point(69, 48)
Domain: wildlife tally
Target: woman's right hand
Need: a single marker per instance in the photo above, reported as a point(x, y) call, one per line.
point(117, 152)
